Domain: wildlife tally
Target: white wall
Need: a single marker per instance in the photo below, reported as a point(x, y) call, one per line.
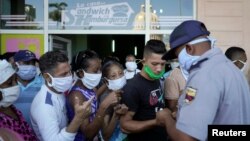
point(228, 21)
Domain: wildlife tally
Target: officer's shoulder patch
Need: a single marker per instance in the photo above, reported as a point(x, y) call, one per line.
point(190, 94)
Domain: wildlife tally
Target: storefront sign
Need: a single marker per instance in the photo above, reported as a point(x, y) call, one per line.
point(98, 14)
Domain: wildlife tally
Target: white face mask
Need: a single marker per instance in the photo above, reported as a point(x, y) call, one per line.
point(10, 95)
point(91, 80)
point(61, 84)
point(117, 83)
point(131, 66)
point(243, 68)
point(244, 65)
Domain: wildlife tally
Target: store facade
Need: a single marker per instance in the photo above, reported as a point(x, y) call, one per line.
point(108, 26)
point(115, 26)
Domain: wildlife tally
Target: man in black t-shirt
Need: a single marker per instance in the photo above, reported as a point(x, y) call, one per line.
point(144, 97)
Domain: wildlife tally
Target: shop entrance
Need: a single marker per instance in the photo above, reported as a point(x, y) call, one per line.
point(117, 45)
point(106, 45)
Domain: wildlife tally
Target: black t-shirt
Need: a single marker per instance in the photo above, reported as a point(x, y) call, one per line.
point(144, 97)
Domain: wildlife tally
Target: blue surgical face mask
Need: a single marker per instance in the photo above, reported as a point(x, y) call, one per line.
point(212, 40)
point(26, 72)
point(174, 65)
point(185, 74)
point(186, 60)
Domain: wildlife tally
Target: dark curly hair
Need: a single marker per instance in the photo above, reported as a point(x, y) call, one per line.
point(80, 61)
point(49, 61)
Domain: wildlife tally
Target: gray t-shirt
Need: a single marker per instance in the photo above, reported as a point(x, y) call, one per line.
point(216, 93)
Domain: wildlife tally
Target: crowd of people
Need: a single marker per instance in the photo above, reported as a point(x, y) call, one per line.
point(95, 99)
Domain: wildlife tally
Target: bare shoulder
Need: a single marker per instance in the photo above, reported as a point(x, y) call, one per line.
point(73, 95)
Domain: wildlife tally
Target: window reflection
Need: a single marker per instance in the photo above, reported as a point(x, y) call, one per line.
point(172, 12)
point(94, 14)
point(117, 14)
point(139, 22)
point(57, 14)
point(21, 14)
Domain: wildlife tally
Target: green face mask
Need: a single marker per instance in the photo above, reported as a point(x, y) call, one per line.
point(151, 74)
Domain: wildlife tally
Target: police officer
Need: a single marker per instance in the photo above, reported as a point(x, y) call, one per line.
point(216, 91)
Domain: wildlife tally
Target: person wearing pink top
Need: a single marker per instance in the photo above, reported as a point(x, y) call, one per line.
point(10, 117)
point(9, 135)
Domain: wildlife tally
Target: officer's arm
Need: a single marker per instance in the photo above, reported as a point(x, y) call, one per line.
point(165, 118)
point(128, 125)
point(172, 104)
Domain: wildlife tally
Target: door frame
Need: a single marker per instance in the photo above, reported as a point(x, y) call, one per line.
point(67, 41)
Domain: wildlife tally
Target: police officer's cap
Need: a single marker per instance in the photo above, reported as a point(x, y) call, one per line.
point(184, 33)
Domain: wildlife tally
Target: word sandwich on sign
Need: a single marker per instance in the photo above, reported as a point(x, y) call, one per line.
point(115, 14)
point(235, 132)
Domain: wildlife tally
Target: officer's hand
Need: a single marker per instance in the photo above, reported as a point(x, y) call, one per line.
point(162, 115)
point(174, 114)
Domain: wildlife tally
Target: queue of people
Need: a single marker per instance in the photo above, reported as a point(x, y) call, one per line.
point(94, 99)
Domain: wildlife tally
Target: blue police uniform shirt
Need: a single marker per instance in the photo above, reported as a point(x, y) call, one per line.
point(216, 93)
point(27, 95)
